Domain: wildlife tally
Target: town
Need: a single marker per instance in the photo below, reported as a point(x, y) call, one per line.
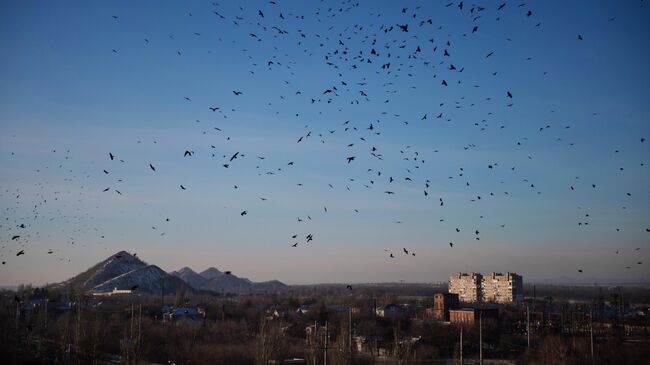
point(490, 319)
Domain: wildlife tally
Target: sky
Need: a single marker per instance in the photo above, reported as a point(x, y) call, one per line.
point(560, 163)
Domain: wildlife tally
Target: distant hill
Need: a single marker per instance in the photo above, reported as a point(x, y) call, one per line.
point(190, 277)
point(214, 280)
point(124, 271)
point(210, 273)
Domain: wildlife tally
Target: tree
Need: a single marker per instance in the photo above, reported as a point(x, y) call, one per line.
point(270, 344)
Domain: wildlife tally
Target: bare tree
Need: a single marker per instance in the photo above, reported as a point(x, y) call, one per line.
point(270, 342)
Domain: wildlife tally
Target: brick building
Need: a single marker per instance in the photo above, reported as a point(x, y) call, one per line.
point(442, 303)
point(470, 316)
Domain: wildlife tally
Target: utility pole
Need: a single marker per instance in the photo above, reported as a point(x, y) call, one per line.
point(17, 313)
point(350, 332)
point(78, 331)
point(528, 325)
point(534, 296)
point(461, 344)
point(480, 338)
point(591, 334)
point(131, 333)
point(325, 345)
point(46, 300)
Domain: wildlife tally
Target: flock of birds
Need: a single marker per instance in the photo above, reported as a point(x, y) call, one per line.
point(399, 53)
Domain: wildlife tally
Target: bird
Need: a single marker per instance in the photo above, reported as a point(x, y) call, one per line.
point(451, 244)
point(228, 272)
point(234, 156)
point(243, 213)
point(151, 167)
point(13, 238)
point(187, 153)
point(237, 92)
point(350, 159)
point(349, 287)
point(182, 187)
point(509, 94)
point(112, 156)
point(21, 252)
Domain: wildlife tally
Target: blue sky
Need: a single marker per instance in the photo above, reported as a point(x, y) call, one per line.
point(79, 83)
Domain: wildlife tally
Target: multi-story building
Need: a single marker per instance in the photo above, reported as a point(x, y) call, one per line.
point(496, 287)
point(502, 288)
point(467, 286)
point(442, 303)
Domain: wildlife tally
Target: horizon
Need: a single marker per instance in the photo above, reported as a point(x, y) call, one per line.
point(556, 282)
point(210, 135)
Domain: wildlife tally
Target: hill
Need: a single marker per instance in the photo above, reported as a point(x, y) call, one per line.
point(123, 271)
